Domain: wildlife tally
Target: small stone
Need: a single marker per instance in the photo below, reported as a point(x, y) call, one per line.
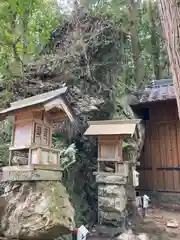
point(172, 224)
point(143, 236)
point(127, 236)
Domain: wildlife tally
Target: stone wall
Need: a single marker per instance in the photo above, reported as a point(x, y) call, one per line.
point(112, 202)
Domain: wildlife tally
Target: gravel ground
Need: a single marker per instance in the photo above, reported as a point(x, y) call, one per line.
point(155, 225)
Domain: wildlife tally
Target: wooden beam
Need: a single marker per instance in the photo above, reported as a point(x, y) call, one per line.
point(53, 167)
point(35, 146)
point(17, 168)
point(67, 110)
point(23, 121)
point(59, 104)
point(56, 103)
point(12, 148)
point(109, 159)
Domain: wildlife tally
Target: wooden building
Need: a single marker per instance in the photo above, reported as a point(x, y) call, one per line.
point(160, 159)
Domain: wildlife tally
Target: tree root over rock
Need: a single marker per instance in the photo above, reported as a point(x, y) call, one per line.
point(37, 210)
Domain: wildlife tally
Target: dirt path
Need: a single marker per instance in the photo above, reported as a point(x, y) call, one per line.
point(154, 224)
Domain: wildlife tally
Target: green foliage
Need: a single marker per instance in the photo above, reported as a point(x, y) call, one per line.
point(5, 140)
point(67, 154)
point(125, 145)
point(81, 186)
point(142, 16)
point(24, 25)
point(78, 177)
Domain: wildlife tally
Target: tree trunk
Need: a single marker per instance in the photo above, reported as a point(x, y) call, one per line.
point(135, 44)
point(170, 18)
point(155, 48)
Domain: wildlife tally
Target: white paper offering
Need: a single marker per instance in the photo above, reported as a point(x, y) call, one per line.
point(82, 233)
point(135, 178)
point(145, 201)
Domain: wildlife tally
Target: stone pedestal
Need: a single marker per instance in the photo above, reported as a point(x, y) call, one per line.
point(112, 201)
point(30, 173)
point(37, 205)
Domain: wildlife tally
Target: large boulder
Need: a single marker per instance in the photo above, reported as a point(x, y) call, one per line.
point(37, 210)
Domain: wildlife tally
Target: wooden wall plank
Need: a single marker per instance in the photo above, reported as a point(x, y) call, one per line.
point(169, 176)
point(147, 149)
point(142, 184)
point(178, 142)
point(161, 149)
point(163, 111)
point(174, 153)
point(162, 155)
point(176, 173)
point(176, 180)
point(152, 156)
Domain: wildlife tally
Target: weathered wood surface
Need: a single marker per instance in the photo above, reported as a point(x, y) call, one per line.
point(160, 160)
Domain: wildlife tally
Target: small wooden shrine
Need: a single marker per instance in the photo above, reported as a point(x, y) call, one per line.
point(31, 145)
point(111, 135)
point(113, 172)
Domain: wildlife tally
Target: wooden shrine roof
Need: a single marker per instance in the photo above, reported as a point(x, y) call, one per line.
point(33, 101)
point(112, 127)
point(40, 98)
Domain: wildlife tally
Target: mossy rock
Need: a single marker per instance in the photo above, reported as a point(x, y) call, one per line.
point(37, 210)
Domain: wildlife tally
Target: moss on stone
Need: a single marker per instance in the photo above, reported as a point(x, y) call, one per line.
point(38, 210)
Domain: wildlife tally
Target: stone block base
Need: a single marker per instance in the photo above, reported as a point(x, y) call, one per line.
point(113, 219)
point(108, 231)
point(111, 203)
point(29, 173)
point(111, 200)
point(108, 178)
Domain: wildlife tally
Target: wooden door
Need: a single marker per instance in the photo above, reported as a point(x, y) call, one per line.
point(160, 160)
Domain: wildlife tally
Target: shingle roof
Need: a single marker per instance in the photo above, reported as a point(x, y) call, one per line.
point(157, 90)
